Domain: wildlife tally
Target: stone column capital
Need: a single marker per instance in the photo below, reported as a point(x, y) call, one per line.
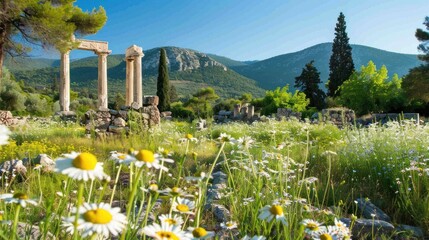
point(99, 53)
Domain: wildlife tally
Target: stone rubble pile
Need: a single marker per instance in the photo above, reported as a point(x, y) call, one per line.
point(107, 122)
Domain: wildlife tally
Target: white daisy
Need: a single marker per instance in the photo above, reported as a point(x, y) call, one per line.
point(80, 166)
point(149, 159)
point(312, 226)
point(201, 233)
point(272, 212)
point(245, 142)
point(171, 219)
point(166, 232)
point(229, 225)
point(344, 231)
point(329, 233)
point(4, 135)
point(183, 205)
point(18, 198)
point(175, 192)
point(100, 219)
point(226, 138)
point(254, 238)
point(121, 158)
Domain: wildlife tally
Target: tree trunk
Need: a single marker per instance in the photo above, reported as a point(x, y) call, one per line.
point(1, 59)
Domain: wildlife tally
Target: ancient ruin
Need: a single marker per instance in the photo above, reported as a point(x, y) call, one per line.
point(133, 84)
point(102, 50)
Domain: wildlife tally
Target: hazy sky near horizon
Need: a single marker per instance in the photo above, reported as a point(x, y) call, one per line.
point(255, 29)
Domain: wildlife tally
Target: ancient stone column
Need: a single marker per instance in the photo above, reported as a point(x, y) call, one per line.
point(138, 84)
point(250, 111)
point(102, 79)
point(236, 110)
point(129, 83)
point(65, 81)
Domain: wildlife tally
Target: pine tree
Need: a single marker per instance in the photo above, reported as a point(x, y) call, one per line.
point(163, 83)
point(308, 82)
point(416, 82)
point(341, 64)
point(44, 22)
point(423, 36)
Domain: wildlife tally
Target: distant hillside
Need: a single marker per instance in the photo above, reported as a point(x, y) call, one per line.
point(227, 61)
point(189, 71)
point(26, 63)
point(282, 70)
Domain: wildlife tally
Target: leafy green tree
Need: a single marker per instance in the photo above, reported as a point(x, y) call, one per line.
point(46, 22)
point(416, 82)
point(246, 98)
point(119, 101)
point(371, 90)
point(163, 83)
point(341, 64)
point(226, 104)
point(282, 98)
point(308, 82)
point(174, 97)
point(201, 102)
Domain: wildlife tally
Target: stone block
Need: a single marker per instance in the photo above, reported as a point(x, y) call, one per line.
point(119, 122)
point(150, 100)
point(6, 118)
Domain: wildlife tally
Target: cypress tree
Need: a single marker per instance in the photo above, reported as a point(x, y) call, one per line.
point(308, 82)
point(163, 83)
point(341, 64)
point(423, 37)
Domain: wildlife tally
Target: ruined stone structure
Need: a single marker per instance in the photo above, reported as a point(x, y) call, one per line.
point(287, 113)
point(133, 84)
point(99, 48)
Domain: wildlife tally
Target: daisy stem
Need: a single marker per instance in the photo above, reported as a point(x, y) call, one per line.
point(148, 208)
point(79, 202)
point(90, 190)
point(130, 204)
point(15, 221)
point(40, 186)
point(100, 198)
point(181, 163)
point(116, 182)
point(327, 182)
point(214, 164)
point(171, 208)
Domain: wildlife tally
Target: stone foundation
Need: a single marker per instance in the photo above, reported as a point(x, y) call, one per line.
point(339, 116)
point(128, 119)
point(287, 113)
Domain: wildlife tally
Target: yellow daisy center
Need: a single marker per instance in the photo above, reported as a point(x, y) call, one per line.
point(85, 161)
point(230, 224)
point(170, 221)
point(199, 232)
point(145, 156)
point(122, 157)
point(167, 235)
point(182, 208)
point(21, 196)
point(189, 136)
point(98, 216)
point(325, 236)
point(276, 210)
point(312, 226)
point(153, 187)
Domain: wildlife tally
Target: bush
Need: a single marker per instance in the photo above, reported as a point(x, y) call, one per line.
point(179, 111)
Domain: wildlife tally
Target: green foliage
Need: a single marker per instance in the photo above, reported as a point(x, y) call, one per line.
point(201, 102)
point(226, 104)
point(341, 64)
point(246, 98)
point(163, 83)
point(119, 101)
point(370, 90)
point(308, 82)
point(50, 23)
point(38, 106)
point(282, 98)
point(179, 111)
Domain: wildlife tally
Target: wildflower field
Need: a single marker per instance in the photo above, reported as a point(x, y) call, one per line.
point(282, 180)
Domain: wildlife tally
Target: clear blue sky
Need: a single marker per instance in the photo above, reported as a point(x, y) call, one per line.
point(256, 29)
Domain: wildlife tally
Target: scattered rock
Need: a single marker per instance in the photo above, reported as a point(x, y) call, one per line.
point(365, 228)
point(6, 118)
point(119, 122)
point(370, 211)
point(416, 232)
point(11, 166)
point(220, 213)
point(31, 232)
point(47, 164)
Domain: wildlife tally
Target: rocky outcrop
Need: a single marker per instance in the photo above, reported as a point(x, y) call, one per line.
point(181, 59)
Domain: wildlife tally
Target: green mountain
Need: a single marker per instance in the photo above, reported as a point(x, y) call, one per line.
point(282, 69)
point(189, 71)
point(26, 63)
